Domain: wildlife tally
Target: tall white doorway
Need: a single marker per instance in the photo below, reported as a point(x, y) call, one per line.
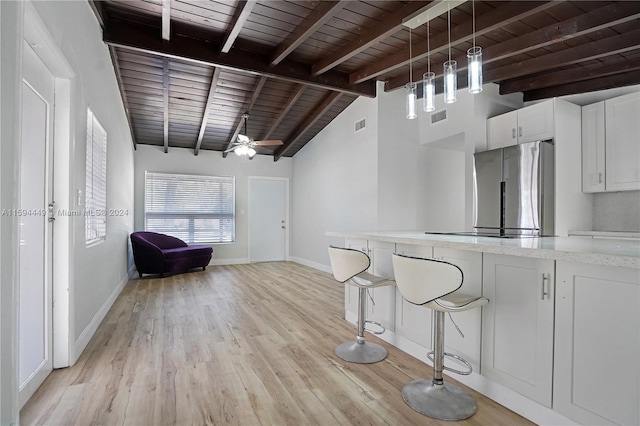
point(268, 219)
point(35, 212)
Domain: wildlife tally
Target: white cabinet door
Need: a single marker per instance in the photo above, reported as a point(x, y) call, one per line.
point(469, 321)
point(593, 141)
point(597, 344)
point(623, 142)
point(517, 324)
point(383, 307)
point(502, 130)
point(536, 122)
point(413, 321)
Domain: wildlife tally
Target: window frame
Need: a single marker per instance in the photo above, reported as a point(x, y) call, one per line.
point(192, 216)
point(95, 199)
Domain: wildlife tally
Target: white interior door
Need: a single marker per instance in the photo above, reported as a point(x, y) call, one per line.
point(267, 219)
point(36, 231)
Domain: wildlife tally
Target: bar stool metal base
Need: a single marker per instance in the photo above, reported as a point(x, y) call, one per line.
point(443, 402)
point(361, 352)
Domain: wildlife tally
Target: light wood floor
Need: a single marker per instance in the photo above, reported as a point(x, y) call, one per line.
point(247, 345)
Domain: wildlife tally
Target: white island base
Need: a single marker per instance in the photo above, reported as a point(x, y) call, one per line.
point(545, 346)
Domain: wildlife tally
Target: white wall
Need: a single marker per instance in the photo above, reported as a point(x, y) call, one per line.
point(98, 273)
point(335, 183)
point(10, 45)
point(182, 160)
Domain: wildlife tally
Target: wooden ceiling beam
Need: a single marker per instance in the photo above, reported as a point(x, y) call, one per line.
point(207, 109)
point(123, 95)
point(568, 76)
point(604, 17)
point(316, 113)
point(242, 13)
point(252, 101)
point(185, 47)
point(379, 32)
point(293, 98)
point(316, 19)
point(585, 52)
point(602, 83)
point(165, 103)
point(502, 15)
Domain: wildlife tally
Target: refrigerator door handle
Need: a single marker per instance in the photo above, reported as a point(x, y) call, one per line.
point(503, 195)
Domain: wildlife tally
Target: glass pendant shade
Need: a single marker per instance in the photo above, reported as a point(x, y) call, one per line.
point(450, 81)
point(411, 100)
point(429, 91)
point(474, 55)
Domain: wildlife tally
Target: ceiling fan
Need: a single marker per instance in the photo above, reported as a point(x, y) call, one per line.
point(245, 145)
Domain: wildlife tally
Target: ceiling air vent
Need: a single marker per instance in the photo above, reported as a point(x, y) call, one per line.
point(361, 124)
point(438, 116)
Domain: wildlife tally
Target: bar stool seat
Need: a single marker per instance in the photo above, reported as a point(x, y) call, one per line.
point(349, 266)
point(434, 284)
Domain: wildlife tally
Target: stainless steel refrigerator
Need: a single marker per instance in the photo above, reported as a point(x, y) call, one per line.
point(514, 190)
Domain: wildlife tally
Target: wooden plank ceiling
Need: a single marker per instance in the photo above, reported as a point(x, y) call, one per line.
point(189, 69)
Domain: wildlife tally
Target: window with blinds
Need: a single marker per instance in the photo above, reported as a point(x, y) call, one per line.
point(95, 200)
point(194, 208)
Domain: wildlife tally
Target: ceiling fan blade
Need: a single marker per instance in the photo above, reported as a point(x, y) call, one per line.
point(268, 143)
point(231, 149)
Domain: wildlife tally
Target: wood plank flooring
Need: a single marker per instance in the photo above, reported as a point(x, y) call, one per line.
point(241, 344)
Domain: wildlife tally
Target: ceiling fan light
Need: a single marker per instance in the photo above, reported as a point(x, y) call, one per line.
point(242, 150)
point(251, 152)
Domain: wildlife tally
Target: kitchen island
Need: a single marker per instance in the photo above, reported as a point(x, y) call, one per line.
point(559, 341)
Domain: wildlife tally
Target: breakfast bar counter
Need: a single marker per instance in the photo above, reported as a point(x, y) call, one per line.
point(559, 336)
point(583, 249)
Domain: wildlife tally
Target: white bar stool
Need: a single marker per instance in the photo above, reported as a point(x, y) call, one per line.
point(351, 265)
point(433, 283)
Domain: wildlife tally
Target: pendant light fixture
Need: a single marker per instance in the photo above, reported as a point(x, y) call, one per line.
point(450, 70)
point(411, 89)
point(474, 55)
point(428, 81)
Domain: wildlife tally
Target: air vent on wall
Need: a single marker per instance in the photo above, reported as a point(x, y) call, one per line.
point(361, 124)
point(438, 116)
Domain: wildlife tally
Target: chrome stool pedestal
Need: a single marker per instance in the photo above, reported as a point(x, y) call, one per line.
point(434, 284)
point(350, 265)
point(361, 351)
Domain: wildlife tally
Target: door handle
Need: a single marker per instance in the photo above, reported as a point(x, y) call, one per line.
point(545, 289)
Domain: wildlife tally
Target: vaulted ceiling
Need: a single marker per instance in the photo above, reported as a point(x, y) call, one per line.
point(189, 69)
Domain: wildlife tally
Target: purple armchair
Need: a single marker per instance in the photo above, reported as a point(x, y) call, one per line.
point(155, 253)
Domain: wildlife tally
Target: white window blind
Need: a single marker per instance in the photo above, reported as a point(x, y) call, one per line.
point(96, 182)
point(194, 208)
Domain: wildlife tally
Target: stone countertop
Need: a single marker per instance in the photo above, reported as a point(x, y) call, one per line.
point(585, 249)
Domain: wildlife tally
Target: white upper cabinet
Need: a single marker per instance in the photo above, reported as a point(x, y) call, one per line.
point(593, 147)
point(532, 123)
point(622, 124)
point(611, 144)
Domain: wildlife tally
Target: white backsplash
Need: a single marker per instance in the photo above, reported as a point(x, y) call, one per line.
point(616, 211)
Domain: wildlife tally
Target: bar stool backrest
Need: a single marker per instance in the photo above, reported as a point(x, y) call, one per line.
point(346, 263)
point(422, 280)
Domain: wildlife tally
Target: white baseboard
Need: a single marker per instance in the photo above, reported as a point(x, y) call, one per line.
point(504, 396)
point(312, 264)
point(239, 261)
point(81, 343)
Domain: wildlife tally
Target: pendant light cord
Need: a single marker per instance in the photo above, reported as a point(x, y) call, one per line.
point(449, 28)
point(410, 68)
point(473, 11)
point(428, 49)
